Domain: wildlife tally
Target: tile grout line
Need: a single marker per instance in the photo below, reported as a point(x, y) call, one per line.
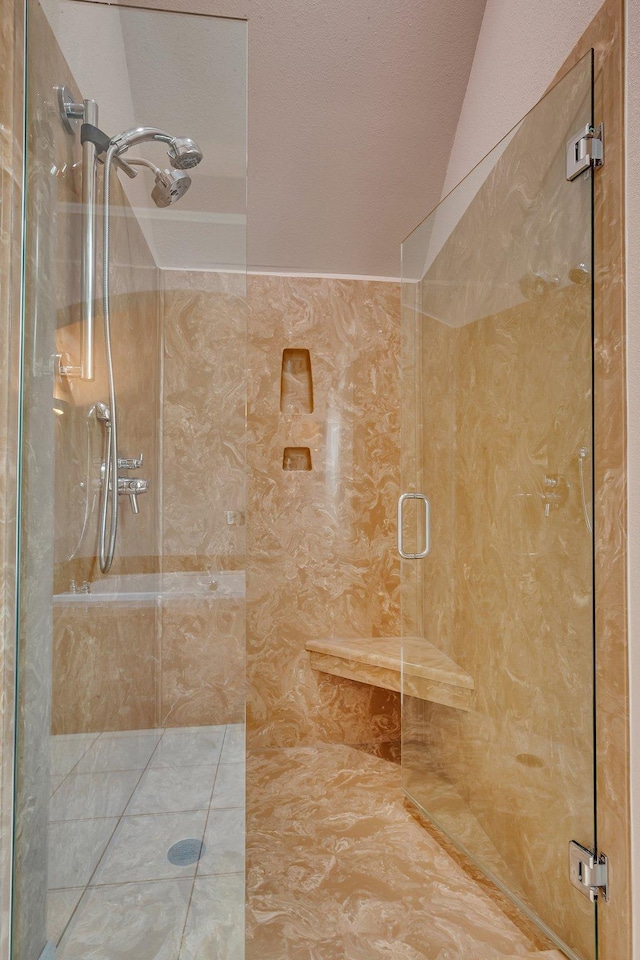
point(204, 833)
point(134, 883)
point(91, 885)
point(108, 843)
point(79, 760)
point(137, 816)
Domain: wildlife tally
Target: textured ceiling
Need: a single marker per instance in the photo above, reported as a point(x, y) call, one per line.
point(353, 109)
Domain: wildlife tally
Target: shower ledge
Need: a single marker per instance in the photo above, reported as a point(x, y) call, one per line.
point(429, 674)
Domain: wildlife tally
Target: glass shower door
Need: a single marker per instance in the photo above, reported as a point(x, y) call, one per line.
point(498, 678)
point(129, 819)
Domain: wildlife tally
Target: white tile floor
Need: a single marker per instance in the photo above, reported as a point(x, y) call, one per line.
point(119, 801)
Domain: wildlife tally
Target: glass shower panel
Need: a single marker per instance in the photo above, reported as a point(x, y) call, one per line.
point(498, 747)
point(131, 632)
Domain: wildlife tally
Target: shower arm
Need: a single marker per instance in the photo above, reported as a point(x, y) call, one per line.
point(142, 162)
point(132, 138)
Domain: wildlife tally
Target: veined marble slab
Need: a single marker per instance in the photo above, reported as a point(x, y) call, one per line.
point(429, 674)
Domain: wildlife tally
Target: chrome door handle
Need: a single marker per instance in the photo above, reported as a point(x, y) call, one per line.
point(427, 525)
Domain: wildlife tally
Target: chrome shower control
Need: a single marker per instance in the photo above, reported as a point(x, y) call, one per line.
point(555, 492)
point(130, 463)
point(132, 488)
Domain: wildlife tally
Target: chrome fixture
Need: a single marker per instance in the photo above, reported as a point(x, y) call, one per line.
point(87, 111)
point(85, 587)
point(132, 487)
point(89, 484)
point(584, 150)
point(427, 526)
point(130, 463)
point(184, 153)
point(170, 184)
point(588, 871)
point(208, 580)
point(103, 414)
point(582, 454)
point(556, 491)
point(579, 274)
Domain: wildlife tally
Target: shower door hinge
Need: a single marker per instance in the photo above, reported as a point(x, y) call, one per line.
point(588, 871)
point(585, 150)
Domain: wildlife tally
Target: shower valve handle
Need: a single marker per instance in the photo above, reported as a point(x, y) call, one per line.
point(132, 487)
point(130, 463)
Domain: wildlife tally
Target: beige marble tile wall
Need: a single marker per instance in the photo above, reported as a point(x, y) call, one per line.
point(11, 66)
point(321, 542)
point(605, 35)
point(205, 322)
point(105, 667)
point(202, 675)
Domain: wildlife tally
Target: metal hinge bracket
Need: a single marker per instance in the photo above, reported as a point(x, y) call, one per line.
point(588, 871)
point(585, 150)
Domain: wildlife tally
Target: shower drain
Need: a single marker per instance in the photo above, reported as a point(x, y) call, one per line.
point(185, 852)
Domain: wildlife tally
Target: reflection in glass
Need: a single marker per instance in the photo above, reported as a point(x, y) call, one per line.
point(498, 342)
point(132, 617)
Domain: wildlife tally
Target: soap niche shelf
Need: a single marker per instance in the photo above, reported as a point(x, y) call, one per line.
point(296, 382)
point(296, 458)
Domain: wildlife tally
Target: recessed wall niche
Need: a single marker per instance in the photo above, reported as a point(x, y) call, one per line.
point(296, 458)
point(296, 382)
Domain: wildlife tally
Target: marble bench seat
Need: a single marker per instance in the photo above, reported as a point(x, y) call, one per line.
point(429, 674)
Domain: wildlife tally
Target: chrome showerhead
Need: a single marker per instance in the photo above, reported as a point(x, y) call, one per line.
point(170, 186)
point(184, 153)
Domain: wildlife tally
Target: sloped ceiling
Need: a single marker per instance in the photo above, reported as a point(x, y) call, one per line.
point(353, 108)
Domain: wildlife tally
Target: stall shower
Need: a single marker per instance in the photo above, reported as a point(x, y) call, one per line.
point(306, 608)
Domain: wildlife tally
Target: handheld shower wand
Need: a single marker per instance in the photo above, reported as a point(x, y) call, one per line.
point(582, 454)
point(184, 154)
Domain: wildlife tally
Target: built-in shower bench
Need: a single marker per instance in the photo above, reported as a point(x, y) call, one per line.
point(429, 674)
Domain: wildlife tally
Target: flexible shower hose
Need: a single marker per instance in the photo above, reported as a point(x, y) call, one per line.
point(109, 489)
point(581, 457)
